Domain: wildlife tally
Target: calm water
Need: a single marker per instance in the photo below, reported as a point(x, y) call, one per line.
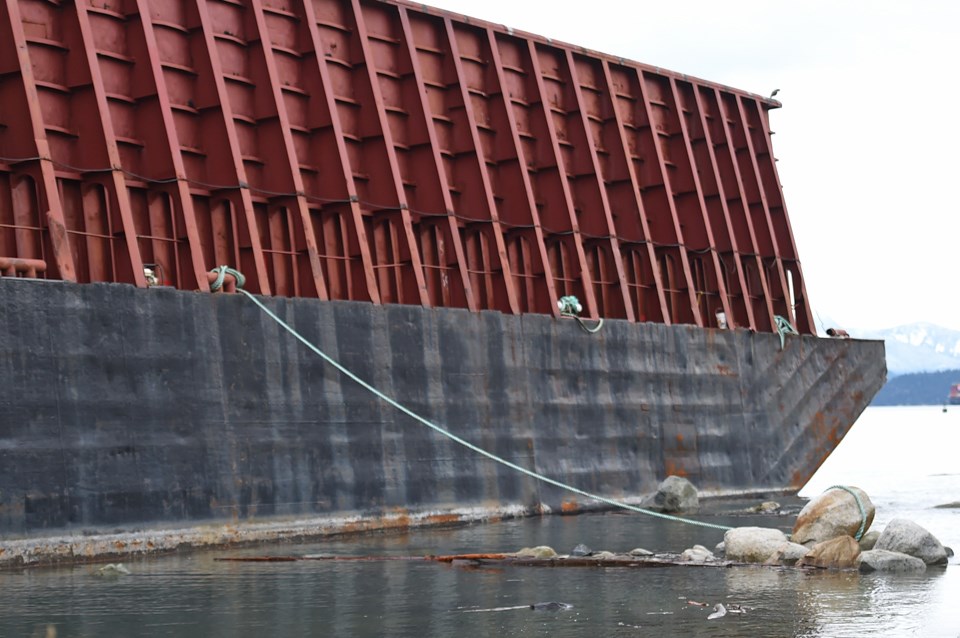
point(905, 458)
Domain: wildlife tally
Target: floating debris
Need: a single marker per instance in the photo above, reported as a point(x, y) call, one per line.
point(719, 611)
point(112, 569)
point(478, 611)
point(526, 557)
point(698, 604)
point(551, 606)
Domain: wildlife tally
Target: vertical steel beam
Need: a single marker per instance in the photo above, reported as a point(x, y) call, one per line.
point(778, 259)
point(416, 262)
point(665, 174)
point(289, 162)
point(553, 146)
point(245, 201)
point(804, 321)
point(45, 176)
point(170, 147)
point(711, 145)
point(453, 50)
point(328, 98)
point(426, 118)
point(599, 182)
point(729, 123)
point(524, 163)
point(704, 217)
point(116, 184)
point(624, 153)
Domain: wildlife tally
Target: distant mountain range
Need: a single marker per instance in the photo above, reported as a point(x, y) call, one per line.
point(918, 388)
point(917, 347)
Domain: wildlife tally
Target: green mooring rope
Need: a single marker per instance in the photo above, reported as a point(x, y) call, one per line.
point(467, 444)
point(570, 307)
point(784, 327)
point(863, 510)
point(222, 272)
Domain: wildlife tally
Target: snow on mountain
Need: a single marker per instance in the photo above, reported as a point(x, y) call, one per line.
point(917, 347)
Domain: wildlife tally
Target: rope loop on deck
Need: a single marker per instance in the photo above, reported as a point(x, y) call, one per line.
point(863, 510)
point(456, 439)
point(784, 327)
point(569, 306)
point(222, 272)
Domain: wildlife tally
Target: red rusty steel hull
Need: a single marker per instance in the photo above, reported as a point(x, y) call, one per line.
point(385, 152)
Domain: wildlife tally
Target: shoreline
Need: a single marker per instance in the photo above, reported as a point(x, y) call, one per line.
point(85, 546)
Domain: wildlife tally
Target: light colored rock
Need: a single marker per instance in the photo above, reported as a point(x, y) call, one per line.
point(697, 554)
point(831, 514)
point(541, 551)
point(603, 555)
point(674, 494)
point(794, 552)
point(906, 537)
point(767, 507)
point(882, 560)
point(752, 544)
point(720, 549)
point(787, 554)
point(113, 569)
point(869, 540)
point(841, 552)
point(639, 551)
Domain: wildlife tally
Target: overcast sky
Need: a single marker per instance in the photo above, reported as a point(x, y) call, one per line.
point(868, 138)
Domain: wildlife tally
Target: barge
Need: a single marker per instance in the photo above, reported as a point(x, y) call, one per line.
point(416, 193)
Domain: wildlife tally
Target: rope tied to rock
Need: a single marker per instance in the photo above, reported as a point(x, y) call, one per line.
point(863, 510)
point(456, 439)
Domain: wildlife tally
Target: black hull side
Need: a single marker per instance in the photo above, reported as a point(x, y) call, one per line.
point(129, 408)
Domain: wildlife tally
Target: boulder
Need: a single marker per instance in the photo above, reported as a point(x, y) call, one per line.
point(882, 560)
point(541, 551)
point(581, 550)
point(787, 554)
point(831, 514)
point(639, 551)
point(674, 494)
point(869, 540)
point(752, 544)
point(841, 552)
point(697, 554)
point(767, 507)
point(906, 537)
